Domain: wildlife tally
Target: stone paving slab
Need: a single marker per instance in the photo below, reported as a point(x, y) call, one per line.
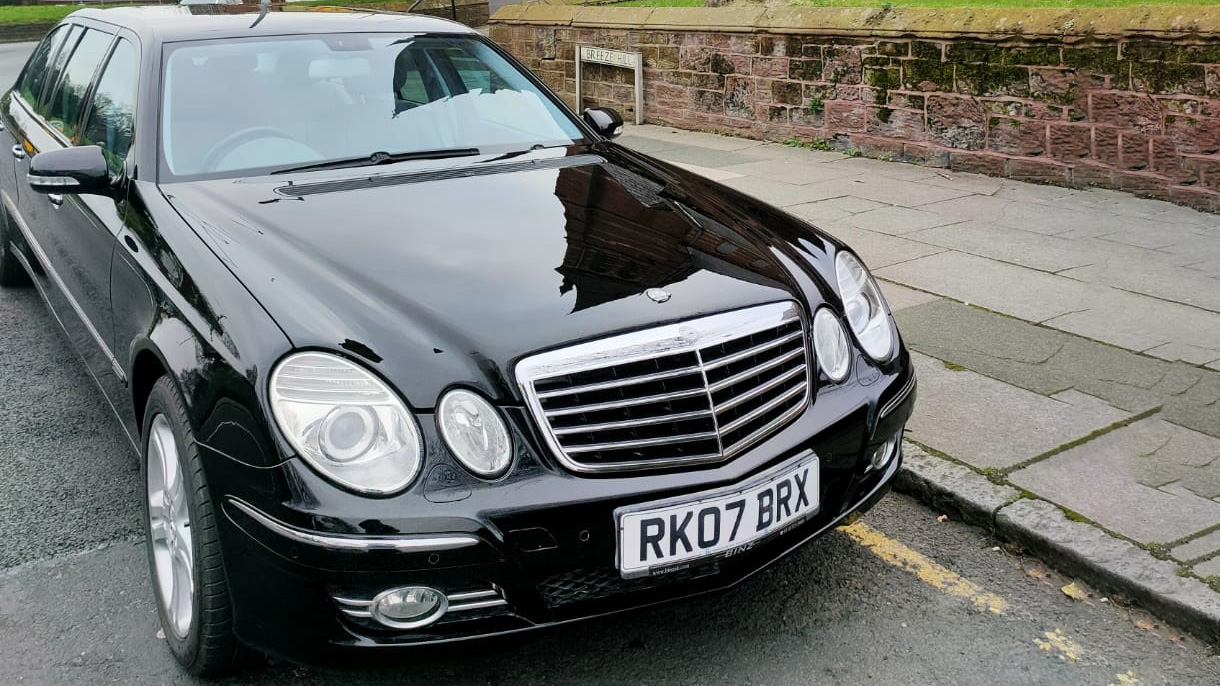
point(1209, 569)
point(797, 172)
point(1200, 547)
point(1047, 361)
point(1006, 244)
point(898, 220)
point(1178, 284)
point(1140, 323)
point(1120, 481)
point(876, 249)
point(1024, 293)
point(901, 297)
point(990, 424)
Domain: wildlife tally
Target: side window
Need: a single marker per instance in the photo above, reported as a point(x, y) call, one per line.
point(56, 68)
point(409, 88)
point(109, 123)
point(474, 73)
point(35, 72)
point(68, 99)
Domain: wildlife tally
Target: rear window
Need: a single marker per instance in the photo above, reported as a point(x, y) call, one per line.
point(35, 73)
point(68, 101)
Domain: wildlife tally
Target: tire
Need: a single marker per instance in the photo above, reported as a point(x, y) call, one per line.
point(11, 272)
point(199, 629)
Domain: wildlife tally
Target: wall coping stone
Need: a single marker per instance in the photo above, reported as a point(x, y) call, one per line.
point(987, 23)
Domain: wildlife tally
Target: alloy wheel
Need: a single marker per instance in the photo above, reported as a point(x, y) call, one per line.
point(170, 528)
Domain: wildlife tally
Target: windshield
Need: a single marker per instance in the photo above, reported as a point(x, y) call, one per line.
point(242, 107)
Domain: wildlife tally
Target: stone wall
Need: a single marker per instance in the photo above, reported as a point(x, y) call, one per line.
point(1131, 109)
point(469, 12)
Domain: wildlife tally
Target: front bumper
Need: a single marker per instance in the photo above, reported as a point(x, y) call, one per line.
point(517, 555)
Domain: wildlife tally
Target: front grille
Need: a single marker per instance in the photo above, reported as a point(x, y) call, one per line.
point(580, 585)
point(695, 392)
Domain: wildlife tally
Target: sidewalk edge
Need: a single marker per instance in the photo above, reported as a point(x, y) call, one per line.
point(1106, 563)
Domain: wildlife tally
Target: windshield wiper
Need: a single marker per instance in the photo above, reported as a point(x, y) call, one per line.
point(382, 158)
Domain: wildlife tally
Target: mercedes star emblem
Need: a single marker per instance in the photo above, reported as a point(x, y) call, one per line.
point(657, 295)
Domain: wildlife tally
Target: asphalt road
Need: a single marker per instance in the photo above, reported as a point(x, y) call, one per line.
point(908, 602)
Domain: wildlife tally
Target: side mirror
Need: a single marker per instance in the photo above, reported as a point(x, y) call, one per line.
point(604, 120)
point(70, 170)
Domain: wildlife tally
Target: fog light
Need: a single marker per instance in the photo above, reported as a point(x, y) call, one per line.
point(883, 454)
point(410, 607)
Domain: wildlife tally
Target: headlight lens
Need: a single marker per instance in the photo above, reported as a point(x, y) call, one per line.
point(346, 422)
point(830, 345)
point(475, 433)
point(866, 311)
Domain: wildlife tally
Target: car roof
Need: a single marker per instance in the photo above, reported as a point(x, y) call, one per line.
point(169, 23)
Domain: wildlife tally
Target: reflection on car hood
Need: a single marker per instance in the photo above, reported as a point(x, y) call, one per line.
point(452, 280)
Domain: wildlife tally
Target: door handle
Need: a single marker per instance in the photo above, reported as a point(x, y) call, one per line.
point(19, 152)
point(56, 199)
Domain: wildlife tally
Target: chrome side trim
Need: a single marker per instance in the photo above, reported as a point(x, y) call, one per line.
point(478, 605)
point(473, 595)
point(59, 284)
point(402, 544)
point(902, 394)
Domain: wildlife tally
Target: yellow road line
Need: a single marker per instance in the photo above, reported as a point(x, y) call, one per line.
point(1058, 643)
point(894, 553)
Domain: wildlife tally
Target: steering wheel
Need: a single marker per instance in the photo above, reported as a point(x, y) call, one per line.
point(239, 138)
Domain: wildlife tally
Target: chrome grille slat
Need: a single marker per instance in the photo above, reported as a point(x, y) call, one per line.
point(647, 400)
point(755, 371)
point(477, 604)
point(643, 442)
point(760, 411)
point(644, 421)
point(750, 372)
point(759, 390)
point(754, 437)
point(749, 352)
point(618, 383)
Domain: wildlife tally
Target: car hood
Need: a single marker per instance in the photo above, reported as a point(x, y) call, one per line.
point(440, 274)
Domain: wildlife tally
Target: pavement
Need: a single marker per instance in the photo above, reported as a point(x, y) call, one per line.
point(915, 593)
point(1067, 344)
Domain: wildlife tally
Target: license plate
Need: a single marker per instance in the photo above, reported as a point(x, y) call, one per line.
point(660, 537)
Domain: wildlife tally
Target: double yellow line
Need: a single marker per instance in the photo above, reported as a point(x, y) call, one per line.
point(894, 553)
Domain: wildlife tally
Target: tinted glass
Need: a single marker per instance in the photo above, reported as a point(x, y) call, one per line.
point(267, 103)
point(57, 65)
point(35, 73)
point(68, 100)
point(110, 119)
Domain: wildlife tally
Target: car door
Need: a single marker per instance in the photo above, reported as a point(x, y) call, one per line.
point(16, 111)
point(73, 236)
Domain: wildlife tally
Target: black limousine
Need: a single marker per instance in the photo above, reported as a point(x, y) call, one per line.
point(409, 352)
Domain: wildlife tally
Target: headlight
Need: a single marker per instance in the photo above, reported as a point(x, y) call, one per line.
point(475, 433)
point(830, 345)
point(865, 308)
point(346, 422)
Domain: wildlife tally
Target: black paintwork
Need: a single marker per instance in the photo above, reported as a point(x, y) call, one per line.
point(84, 166)
point(431, 278)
